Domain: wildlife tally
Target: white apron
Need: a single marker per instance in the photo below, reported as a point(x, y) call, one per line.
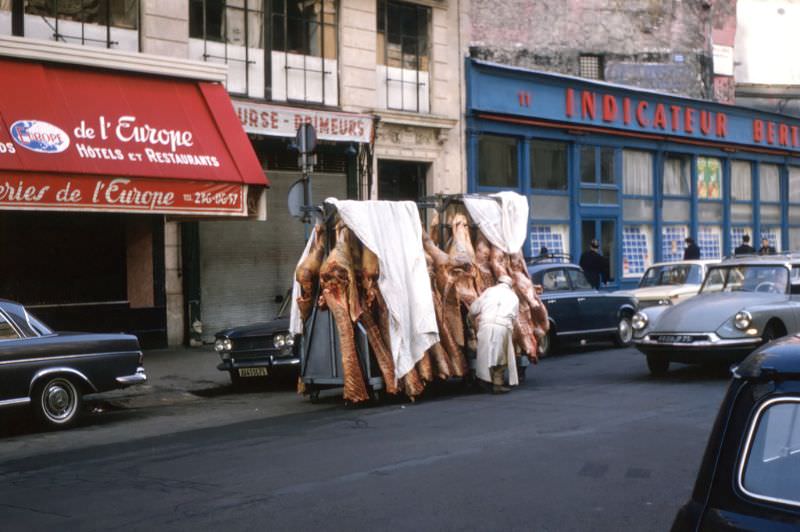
point(495, 348)
point(496, 309)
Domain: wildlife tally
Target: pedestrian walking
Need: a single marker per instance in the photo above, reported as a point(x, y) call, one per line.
point(594, 264)
point(744, 248)
point(692, 250)
point(766, 248)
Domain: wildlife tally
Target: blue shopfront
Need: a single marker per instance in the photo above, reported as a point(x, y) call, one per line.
point(638, 170)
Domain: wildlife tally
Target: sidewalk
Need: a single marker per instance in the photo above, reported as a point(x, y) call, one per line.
point(172, 375)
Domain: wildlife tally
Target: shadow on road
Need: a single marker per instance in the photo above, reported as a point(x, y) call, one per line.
point(98, 412)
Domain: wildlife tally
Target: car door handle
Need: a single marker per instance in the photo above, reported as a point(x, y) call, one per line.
point(581, 299)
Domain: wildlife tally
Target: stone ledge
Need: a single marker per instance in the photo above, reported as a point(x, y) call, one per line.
point(55, 52)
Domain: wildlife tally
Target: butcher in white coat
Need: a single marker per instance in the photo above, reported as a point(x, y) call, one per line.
point(494, 313)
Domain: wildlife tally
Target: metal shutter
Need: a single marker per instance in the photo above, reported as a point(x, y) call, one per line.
point(244, 265)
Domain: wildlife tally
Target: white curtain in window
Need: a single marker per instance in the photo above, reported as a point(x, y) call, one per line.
point(794, 184)
point(637, 173)
point(676, 176)
point(741, 181)
point(769, 182)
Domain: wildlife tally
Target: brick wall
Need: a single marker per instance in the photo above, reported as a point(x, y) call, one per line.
point(656, 44)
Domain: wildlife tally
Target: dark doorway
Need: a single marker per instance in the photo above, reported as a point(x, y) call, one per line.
point(401, 180)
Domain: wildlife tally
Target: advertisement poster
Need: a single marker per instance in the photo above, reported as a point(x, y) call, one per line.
point(709, 178)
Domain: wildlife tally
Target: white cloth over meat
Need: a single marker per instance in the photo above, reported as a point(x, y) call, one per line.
point(496, 309)
point(502, 218)
point(392, 231)
point(295, 321)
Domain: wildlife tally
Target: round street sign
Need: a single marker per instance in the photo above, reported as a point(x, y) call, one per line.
point(295, 199)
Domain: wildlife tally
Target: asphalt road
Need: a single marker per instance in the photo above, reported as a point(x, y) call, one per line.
point(589, 442)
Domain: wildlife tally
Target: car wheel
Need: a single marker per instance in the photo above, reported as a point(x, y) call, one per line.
point(57, 402)
point(658, 366)
point(546, 346)
point(770, 333)
point(624, 335)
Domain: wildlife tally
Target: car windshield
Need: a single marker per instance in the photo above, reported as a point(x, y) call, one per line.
point(672, 274)
point(746, 278)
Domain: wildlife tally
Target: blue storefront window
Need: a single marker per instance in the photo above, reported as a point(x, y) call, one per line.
point(498, 161)
point(709, 239)
point(672, 242)
point(636, 249)
point(555, 238)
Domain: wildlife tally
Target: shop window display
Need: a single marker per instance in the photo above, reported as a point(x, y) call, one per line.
point(710, 241)
point(672, 242)
point(553, 237)
point(637, 242)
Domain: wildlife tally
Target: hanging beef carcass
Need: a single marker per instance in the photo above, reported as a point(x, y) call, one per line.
point(443, 279)
point(528, 291)
point(340, 295)
point(533, 322)
point(439, 357)
point(307, 272)
point(463, 254)
point(368, 273)
point(483, 251)
point(498, 262)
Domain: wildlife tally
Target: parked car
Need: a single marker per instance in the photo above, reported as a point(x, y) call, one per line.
point(668, 283)
point(743, 303)
point(52, 371)
point(577, 311)
point(260, 349)
point(750, 475)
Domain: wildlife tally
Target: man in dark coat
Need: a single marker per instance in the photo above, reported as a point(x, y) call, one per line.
point(593, 264)
point(745, 248)
point(692, 251)
point(766, 249)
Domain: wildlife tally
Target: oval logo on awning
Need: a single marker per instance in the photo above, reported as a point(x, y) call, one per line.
point(39, 136)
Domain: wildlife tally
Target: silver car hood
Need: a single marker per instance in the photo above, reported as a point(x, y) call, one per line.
point(707, 312)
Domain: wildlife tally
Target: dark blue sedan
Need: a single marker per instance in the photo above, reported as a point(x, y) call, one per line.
point(578, 312)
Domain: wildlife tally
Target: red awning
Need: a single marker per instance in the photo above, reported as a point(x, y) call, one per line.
point(98, 140)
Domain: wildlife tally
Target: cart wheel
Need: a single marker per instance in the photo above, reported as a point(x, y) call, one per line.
point(313, 395)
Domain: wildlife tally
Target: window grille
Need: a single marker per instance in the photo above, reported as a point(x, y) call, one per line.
point(403, 56)
point(106, 23)
point(591, 66)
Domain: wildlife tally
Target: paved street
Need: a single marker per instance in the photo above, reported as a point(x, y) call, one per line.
point(589, 442)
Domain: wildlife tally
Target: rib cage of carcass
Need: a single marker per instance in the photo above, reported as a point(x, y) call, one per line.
point(461, 264)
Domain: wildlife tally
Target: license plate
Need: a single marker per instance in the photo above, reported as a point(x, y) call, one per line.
point(675, 339)
point(253, 372)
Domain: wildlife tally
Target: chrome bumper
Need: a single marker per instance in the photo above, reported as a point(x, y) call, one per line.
point(713, 340)
point(137, 378)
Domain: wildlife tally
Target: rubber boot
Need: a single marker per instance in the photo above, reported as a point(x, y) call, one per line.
point(498, 381)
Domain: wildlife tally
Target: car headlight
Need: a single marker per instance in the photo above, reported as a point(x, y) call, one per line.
point(742, 320)
point(639, 321)
point(279, 340)
point(223, 344)
point(289, 340)
point(664, 301)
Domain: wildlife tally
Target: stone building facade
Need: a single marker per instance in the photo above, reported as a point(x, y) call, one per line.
point(380, 79)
